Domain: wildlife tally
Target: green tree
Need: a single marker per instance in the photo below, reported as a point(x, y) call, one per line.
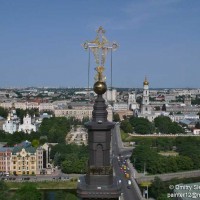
point(70, 196)
point(3, 112)
point(28, 191)
point(165, 125)
point(145, 155)
point(158, 188)
point(35, 143)
point(116, 117)
point(142, 125)
point(126, 126)
point(68, 166)
point(171, 165)
point(4, 192)
point(184, 163)
point(74, 164)
point(162, 123)
point(72, 158)
point(55, 128)
point(85, 119)
point(16, 137)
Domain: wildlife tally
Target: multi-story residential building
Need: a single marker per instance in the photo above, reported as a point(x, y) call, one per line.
point(183, 109)
point(187, 100)
point(120, 106)
point(26, 159)
point(32, 105)
point(185, 92)
point(46, 106)
point(6, 105)
point(110, 95)
point(79, 112)
point(170, 97)
point(196, 131)
point(132, 104)
point(5, 159)
point(21, 105)
point(179, 117)
point(23, 160)
point(46, 157)
point(39, 160)
point(61, 103)
point(123, 113)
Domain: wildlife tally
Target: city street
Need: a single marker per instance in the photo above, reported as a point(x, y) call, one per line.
point(56, 176)
point(129, 193)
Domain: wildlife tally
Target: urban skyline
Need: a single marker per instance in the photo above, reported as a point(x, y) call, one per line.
point(41, 42)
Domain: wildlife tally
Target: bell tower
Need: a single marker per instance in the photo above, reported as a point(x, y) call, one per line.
point(99, 181)
point(145, 107)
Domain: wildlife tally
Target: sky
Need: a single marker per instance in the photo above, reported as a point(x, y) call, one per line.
point(40, 42)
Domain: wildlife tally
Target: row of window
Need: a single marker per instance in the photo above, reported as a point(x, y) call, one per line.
point(75, 113)
point(5, 158)
point(23, 167)
point(4, 168)
point(4, 163)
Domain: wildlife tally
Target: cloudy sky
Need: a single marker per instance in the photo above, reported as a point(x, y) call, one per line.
point(40, 42)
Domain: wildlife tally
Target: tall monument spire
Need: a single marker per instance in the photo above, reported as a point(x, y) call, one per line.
point(99, 182)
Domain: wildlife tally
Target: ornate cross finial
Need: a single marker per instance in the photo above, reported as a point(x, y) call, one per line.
point(100, 46)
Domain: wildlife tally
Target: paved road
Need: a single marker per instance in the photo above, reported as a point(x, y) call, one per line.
point(38, 178)
point(117, 147)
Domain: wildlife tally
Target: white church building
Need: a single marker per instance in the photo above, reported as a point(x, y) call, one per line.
point(27, 125)
point(10, 126)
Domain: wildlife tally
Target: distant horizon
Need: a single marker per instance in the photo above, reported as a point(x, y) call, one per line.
point(74, 87)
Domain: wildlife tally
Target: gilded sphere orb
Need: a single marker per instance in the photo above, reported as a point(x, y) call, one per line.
point(146, 82)
point(100, 87)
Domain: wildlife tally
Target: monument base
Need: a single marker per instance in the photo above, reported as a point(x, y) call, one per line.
point(98, 191)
